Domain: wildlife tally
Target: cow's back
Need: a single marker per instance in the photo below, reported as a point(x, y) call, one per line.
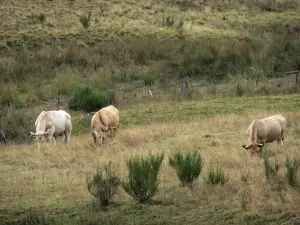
point(109, 116)
point(61, 121)
point(275, 126)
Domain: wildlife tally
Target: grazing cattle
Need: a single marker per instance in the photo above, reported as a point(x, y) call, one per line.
point(266, 130)
point(52, 124)
point(104, 123)
point(2, 137)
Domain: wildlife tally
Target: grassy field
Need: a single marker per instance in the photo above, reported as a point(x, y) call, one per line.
point(51, 182)
point(235, 54)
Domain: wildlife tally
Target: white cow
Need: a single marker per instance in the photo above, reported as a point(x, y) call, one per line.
point(104, 123)
point(52, 124)
point(266, 130)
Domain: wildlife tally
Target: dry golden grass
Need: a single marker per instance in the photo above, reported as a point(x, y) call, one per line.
point(19, 20)
point(54, 178)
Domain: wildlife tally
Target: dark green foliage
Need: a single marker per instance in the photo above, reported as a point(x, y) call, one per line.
point(149, 80)
point(85, 19)
point(16, 124)
point(168, 21)
point(142, 181)
point(104, 184)
point(216, 176)
point(292, 166)
point(239, 90)
point(188, 167)
point(84, 98)
point(270, 169)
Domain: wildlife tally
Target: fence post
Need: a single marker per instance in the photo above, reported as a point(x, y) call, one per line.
point(297, 77)
point(185, 86)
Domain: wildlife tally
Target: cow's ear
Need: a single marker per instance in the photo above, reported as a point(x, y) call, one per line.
point(260, 144)
point(32, 134)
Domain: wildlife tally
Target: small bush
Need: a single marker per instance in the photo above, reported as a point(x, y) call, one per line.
point(85, 19)
point(292, 166)
point(188, 167)
point(149, 80)
point(168, 21)
point(142, 182)
point(271, 169)
point(84, 98)
point(239, 90)
point(103, 185)
point(216, 176)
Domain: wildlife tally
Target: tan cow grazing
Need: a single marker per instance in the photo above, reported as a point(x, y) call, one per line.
point(104, 123)
point(264, 131)
point(52, 124)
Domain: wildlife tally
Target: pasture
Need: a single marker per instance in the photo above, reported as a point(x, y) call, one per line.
point(50, 183)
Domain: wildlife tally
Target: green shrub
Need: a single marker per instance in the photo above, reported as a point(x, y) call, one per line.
point(188, 167)
point(16, 124)
point(149, 80)
point(271, 169)
point(292, 166)
point(239, 90)
point(85, 19)
point(142, 182)
point(216, 176)
point(84, 98)
point(168, 21)
point(103, 185)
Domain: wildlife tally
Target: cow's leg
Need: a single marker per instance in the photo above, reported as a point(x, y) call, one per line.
point(67, 137)
point(95, 137)
point(54, 141)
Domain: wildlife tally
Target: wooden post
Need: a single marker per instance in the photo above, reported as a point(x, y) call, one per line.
point(297, 77)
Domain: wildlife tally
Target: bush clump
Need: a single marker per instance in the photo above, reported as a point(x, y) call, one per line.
point(85, 19)
point(271, 169)
point(188, 167)
point(84, 98)
point(149, 80)
point(292, 166)
point(216, 176)
point(103, 185)
point(142, 181)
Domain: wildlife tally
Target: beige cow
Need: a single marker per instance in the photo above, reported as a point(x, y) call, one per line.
point(52, 124)
point(104, 123)
point(266, 130)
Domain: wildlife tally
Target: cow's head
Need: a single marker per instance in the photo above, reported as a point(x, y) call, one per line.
point(40, 137)
point(254, 148)
point(104, 133)
point(108, 132)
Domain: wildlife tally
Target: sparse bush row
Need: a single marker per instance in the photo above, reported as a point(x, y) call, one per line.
point(142, 182)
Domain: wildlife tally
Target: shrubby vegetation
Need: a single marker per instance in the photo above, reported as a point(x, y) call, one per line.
point(188, 167)
point(216, 175)
point(103, 184)
point(85, 99)
point(142, 183)
point(292, 166)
